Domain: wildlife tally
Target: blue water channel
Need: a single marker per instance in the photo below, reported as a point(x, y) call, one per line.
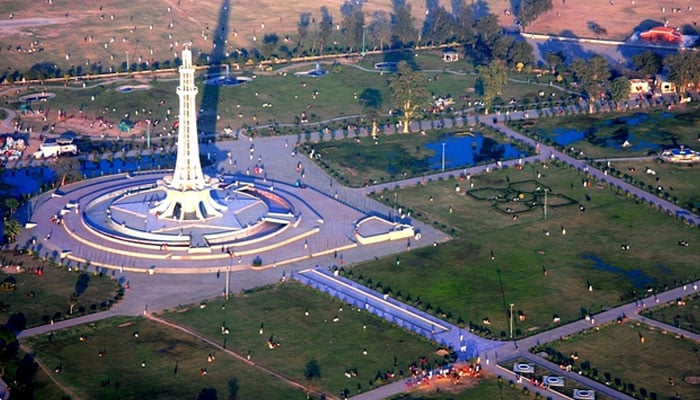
point(466, 150)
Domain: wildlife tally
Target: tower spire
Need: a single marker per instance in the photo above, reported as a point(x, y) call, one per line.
point(188, 190)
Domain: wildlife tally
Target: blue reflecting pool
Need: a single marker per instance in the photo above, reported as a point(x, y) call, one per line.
point(465, 150)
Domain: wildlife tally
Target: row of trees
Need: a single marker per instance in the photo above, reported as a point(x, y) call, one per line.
point(355, 31)
point(594, 79)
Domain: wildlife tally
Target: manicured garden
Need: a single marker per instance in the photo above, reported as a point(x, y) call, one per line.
point(277, 98)
point(553, 270)
point(603, 135)
point(644, 362)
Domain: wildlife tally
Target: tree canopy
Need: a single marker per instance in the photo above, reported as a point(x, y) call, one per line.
point(592, 75)
point(683, 69)
point(492, 78)
point(409, 92)
point(529, 10)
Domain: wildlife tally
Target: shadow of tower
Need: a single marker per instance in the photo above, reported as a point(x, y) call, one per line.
point(209, 102)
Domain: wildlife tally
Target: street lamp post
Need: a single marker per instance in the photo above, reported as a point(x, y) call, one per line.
point(511, 319)
point(148, 134)
point(364, 27)
point(443, 156)
point(228, 280)
point(396, 199)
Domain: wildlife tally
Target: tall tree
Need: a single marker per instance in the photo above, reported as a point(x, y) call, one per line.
point(11, 203)
point(312, 370)
point(520, 52)
point(11, 228)
point(554, 59)
point(353, 23)
point(683, 69)
point(325, 29)
point(529, 10)
point(439, 25)
point(380, 28)
point(647, 63)
point(465, 25)
point(269, 44)
point(303, 28)
point(620, 90)
point(409, 92)
point(592, 75)
point(371, 100)
point(491, 80)
point(403, 29)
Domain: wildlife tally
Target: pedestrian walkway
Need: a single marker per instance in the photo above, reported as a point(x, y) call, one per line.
point(466, 344)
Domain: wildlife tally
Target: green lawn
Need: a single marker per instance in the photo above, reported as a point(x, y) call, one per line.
point(41, 298)
point(159, 363)
point(338, 347)
point(544, 275)
point(636, 358)
point(683, 313)
point(278, 97)
point(677, 182)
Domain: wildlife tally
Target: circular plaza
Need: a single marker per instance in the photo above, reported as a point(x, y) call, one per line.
point(107, 223)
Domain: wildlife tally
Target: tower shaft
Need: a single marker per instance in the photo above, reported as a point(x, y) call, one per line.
point(188, 190)
point(188, 169)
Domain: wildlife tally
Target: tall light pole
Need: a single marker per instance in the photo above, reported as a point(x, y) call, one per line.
point(127, 61)
point(511, 319)
point(396, 195)
point(228, 275)
point(364, 28)
point(148, 133)
point(443, 156)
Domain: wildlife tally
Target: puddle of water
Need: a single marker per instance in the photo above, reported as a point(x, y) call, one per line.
point(566, 136)
point(638, 278)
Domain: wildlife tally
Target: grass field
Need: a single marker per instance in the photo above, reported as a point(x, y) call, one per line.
point(684, 313)
point(495, 260)
point(278, 98)
point(159, 363)
point(46, 297)
point(635, 358)
point(279, 312)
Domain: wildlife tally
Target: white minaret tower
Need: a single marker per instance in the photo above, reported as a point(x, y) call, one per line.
point(188, 189)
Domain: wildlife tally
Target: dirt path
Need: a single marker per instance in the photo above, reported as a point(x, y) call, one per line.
point(220, 348)
point(50, 373)
point(13, 26)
